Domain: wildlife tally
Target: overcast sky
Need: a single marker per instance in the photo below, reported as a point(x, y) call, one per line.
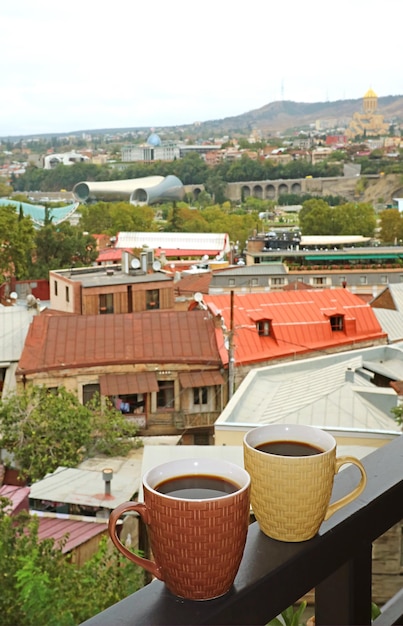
point(88, 64)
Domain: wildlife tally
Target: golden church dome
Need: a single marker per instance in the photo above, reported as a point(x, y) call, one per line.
point(370, 94)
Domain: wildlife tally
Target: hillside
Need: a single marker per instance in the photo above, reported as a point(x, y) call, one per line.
point(272, 118)
point(278, 117)
point(285, 115)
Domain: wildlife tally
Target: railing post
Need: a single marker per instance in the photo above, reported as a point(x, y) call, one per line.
point(345, 597)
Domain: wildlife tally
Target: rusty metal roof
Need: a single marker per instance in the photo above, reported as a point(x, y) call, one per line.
point(77, 531)
point(163, 336)
point(18, 497)
point(117, 384)
point(201, 379)
point(191, 283)
point(299, 322)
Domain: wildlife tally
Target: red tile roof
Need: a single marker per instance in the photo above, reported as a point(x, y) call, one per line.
point(299, 322)
point(66, 341)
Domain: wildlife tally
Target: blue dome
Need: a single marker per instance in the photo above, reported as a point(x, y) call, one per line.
point(154, 140)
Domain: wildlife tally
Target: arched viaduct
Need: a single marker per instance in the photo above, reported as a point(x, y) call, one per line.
point(273, 189)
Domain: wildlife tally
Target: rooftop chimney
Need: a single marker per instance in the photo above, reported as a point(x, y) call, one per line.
point(107, 475)
point(349, 375)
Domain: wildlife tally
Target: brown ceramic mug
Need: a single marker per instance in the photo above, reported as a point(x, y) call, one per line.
point(197, 516)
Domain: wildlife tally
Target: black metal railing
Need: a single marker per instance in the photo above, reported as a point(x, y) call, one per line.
point(274, 575)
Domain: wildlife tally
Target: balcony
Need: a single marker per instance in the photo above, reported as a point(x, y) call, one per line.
point(273, 575)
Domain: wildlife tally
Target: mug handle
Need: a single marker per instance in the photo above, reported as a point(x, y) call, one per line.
point(335, 506)
point(142, 510)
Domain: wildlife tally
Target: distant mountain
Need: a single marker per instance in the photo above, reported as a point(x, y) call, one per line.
point(286, 115)
point(279, 116)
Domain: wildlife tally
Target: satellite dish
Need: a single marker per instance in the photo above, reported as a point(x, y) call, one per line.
point(205, 257)
point(13, 295)
point(156, 265)
point(198, 297)
point(135, 264)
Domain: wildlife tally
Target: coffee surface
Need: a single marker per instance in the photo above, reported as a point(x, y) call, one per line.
point(194, 487)
point(289, 448)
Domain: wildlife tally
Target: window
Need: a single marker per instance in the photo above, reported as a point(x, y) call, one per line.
point(55, 287)
point(67, 294)
point(254, 282)
point(166, 394)
point(105, 303)
point(129, 299)
point(152, 299)
point(336, 322)
point(200, 395)
point(130, 403)
point(276, 281)
point(363, 280)
point(342, 280)
point(89, 392)
point(231, 282)
point(263, 328)
point(319, 280)
point(384, 279)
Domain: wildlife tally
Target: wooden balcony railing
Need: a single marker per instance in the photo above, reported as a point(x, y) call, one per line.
point(274, 575)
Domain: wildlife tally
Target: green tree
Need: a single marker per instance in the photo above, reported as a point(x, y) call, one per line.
point(40, 586)
point(16, 243)
point(315, 218)
point(112, 217)
point(216, 186)
point(44, 430)
point(62, 246)
point(5, 188)
point(318, 218)
point(391, 226)
point(354, 219)
point(184, 219)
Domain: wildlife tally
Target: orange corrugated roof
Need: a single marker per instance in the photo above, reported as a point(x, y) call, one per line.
point(68, 341)
point(299, 322)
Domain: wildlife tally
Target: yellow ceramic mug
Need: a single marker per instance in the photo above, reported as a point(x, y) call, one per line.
point(292, 468)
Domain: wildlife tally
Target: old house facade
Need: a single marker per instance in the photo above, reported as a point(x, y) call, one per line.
point(162, 369)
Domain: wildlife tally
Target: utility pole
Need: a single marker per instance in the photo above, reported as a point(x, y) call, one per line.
point(231, 359)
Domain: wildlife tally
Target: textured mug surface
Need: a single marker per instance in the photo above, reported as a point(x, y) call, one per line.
point(290, 495)
point(197, 544)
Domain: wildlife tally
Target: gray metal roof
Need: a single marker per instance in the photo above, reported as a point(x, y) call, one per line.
point(260, 269)
point(396, 290)
point(100, 278)
point(14, 324)
point(391, 323)
point(333, 392)
point(86, 486)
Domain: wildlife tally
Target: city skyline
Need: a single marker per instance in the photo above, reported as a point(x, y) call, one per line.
point(81, 66)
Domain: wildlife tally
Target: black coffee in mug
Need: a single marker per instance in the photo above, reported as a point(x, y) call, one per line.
point(289, 448)
point(196, 487)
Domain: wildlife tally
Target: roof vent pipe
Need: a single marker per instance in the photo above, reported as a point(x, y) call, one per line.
point(107, 475)
point(349, 375)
